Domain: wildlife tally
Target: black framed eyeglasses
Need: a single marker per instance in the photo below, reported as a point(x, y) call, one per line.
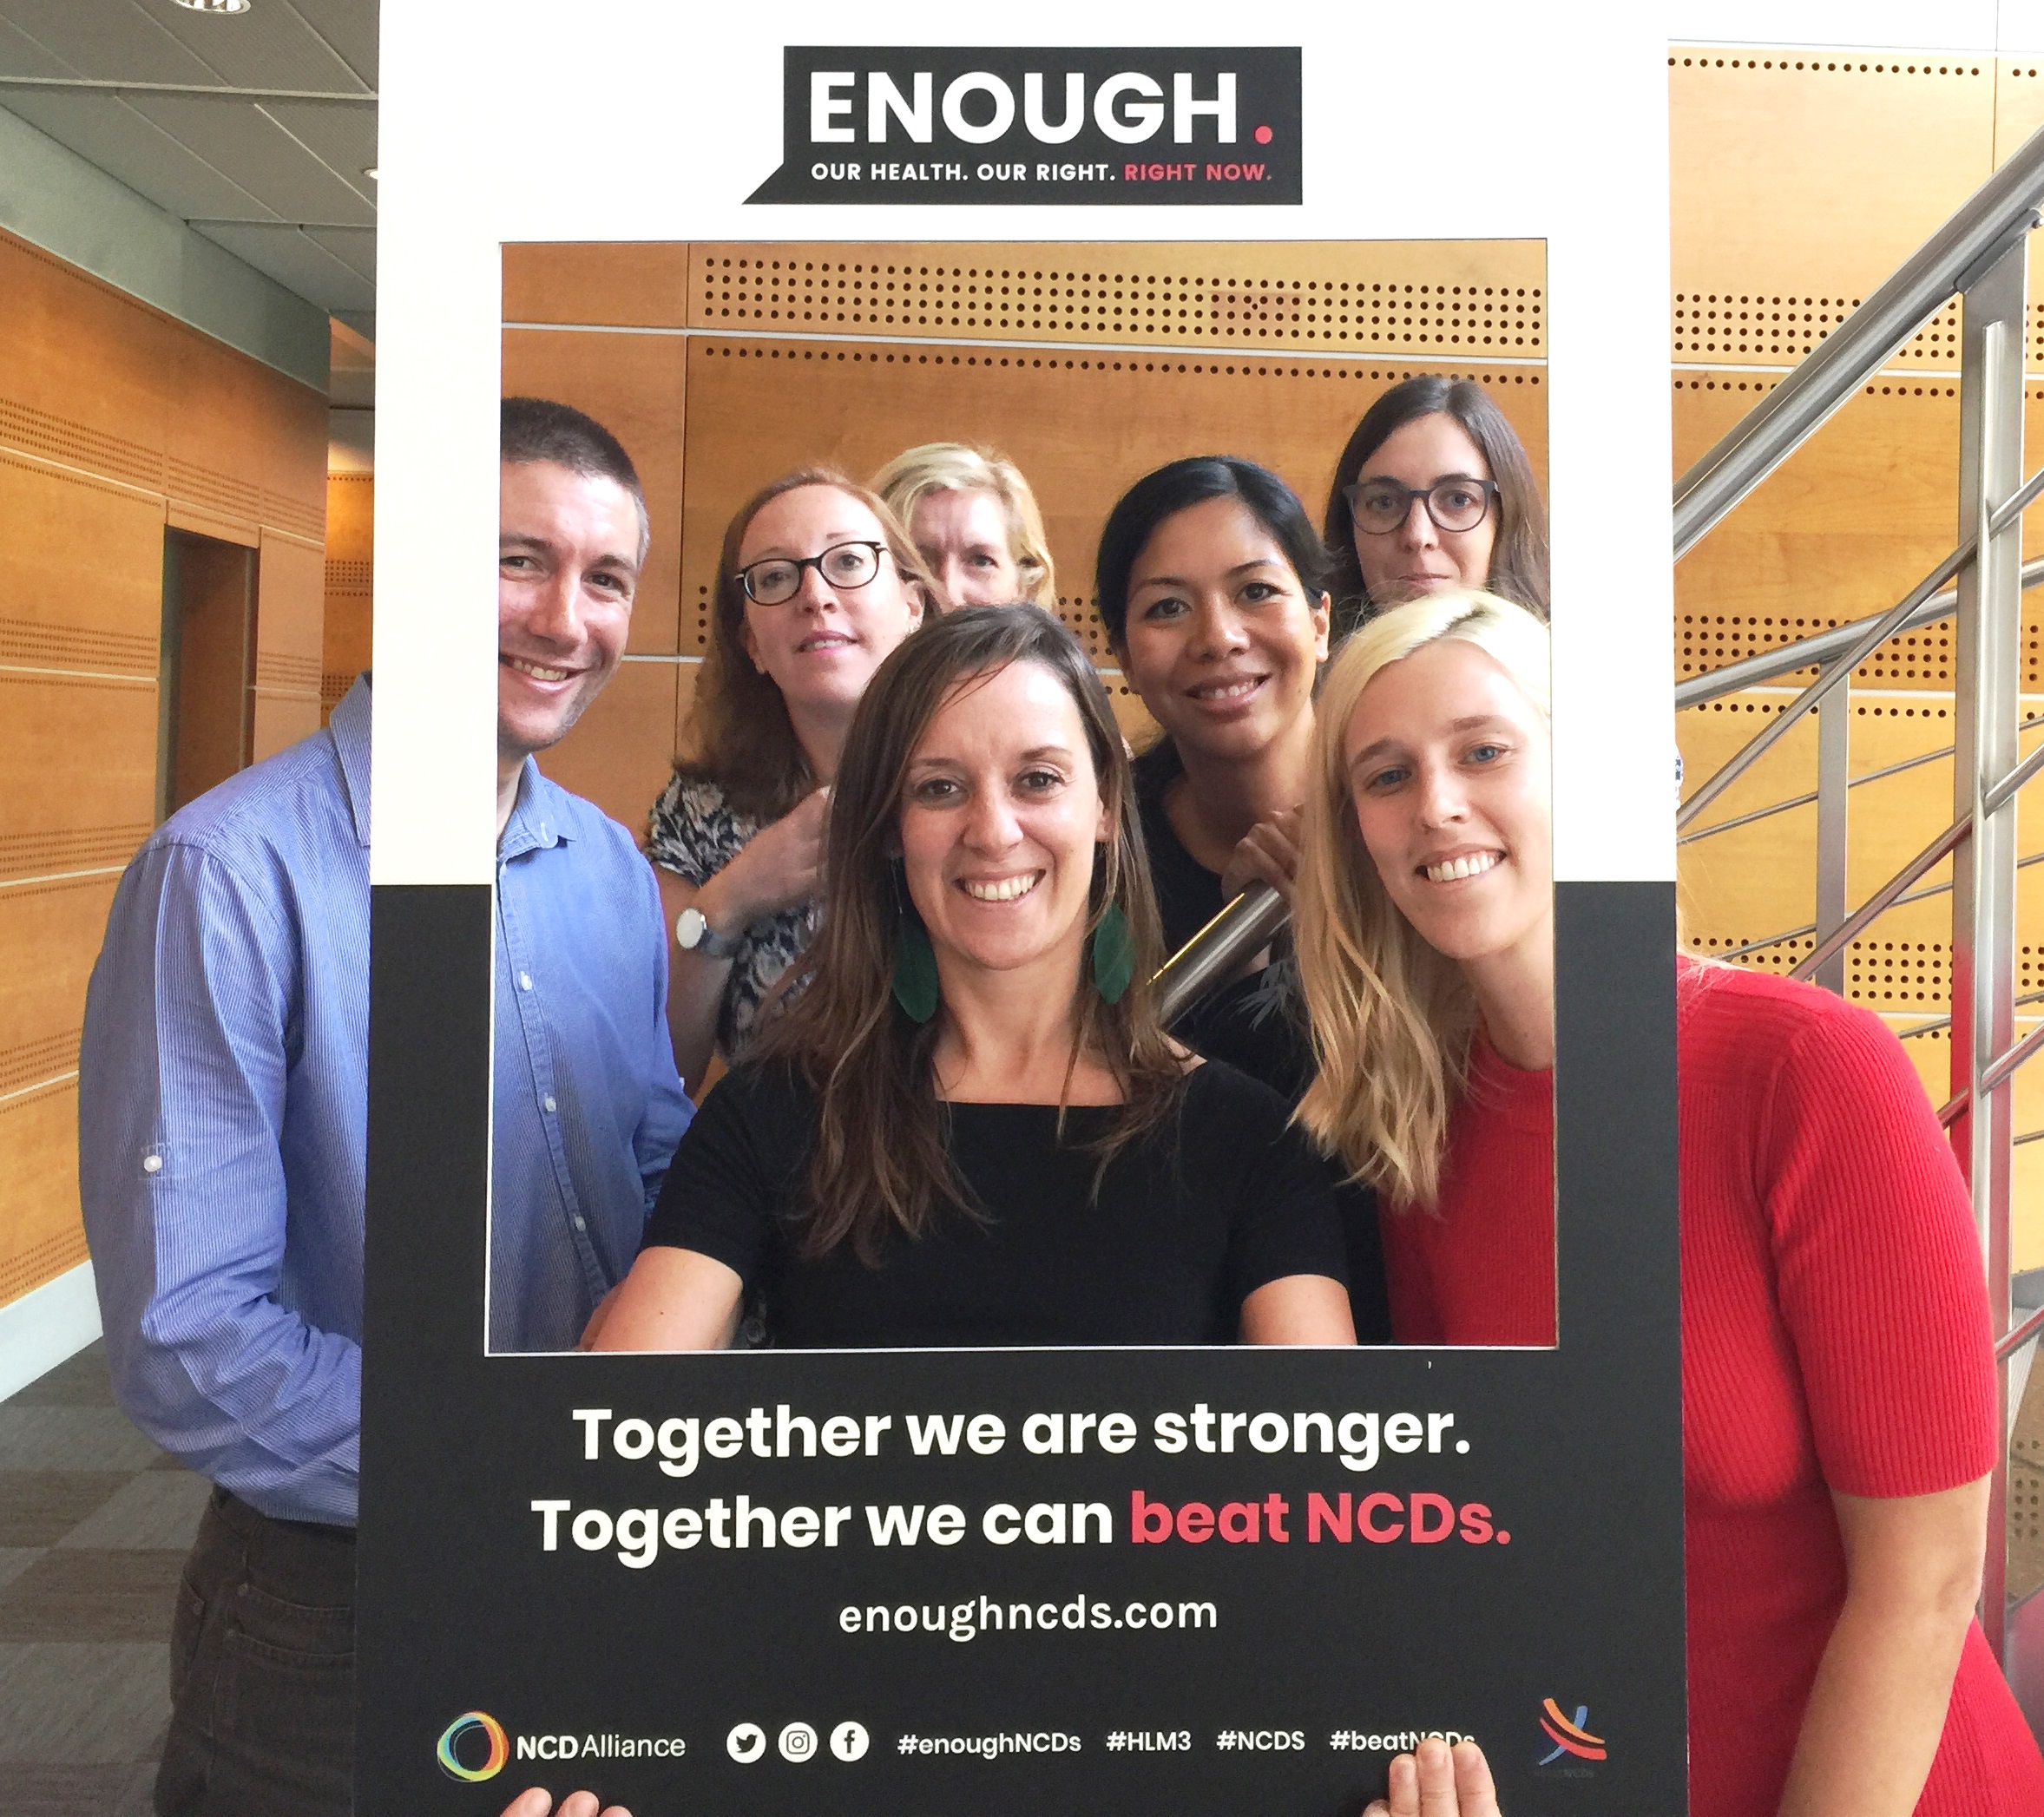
point(1458, 503)
point(779, 578)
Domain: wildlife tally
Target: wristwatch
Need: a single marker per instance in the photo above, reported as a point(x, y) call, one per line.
point(692, 933)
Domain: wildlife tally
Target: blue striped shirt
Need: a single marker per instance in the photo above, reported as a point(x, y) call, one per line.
point(223, 1107)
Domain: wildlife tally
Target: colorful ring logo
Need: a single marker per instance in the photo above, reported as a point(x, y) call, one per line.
point(1569, 1737)
point(500, 1747)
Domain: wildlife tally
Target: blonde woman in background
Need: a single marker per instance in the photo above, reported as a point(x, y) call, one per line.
point(1840, 1404)
point(816, 586)
point(974, 522)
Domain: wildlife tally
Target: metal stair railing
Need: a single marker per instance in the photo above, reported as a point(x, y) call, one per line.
point(1980, 255)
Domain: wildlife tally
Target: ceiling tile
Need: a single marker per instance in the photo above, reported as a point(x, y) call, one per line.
point(270, 46)
point(21, 54)
point(106, 131)
point(108, 40)
point(242, 143)
point(299, 263)
point(342, 137)
point(354, 246)
point(350, 26)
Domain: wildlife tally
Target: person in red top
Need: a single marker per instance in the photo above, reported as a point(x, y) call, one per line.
point(1840, 1412)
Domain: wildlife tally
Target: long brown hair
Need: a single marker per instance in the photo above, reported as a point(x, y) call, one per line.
point(738, 733)
point(881, 1162)
point(1518, 556)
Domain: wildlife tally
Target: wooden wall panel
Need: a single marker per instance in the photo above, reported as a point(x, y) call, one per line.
point(77, 771)
point(634, 385)
point(1081, 427)
point(114, 420)
point(351, 543)
point(1408, 300)
point(1799, 179)
point(290, 614)
point(41, 1236)
point(631, 286)
point(50, 932)
point(81, 570)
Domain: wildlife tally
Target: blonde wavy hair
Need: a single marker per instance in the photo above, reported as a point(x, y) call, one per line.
point(1391, 1017)
point(911, 477)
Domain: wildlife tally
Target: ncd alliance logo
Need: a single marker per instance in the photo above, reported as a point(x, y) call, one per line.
point(473, 1746)
point(983, 124)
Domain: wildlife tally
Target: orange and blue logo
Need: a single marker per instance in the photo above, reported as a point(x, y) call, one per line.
point(1569, 1737)
point(474, 1722)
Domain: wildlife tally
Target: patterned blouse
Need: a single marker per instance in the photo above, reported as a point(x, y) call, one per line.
point(694, 832)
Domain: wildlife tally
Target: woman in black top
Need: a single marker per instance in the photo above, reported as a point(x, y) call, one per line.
point(1211, 583)
point(969, 1128)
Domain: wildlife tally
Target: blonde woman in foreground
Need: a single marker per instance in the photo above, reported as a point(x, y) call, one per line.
point(1838, 1382)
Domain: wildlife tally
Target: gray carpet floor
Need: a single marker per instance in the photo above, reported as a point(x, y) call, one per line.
point(94, 1524)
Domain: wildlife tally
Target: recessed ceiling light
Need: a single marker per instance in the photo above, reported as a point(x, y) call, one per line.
point(214, 6)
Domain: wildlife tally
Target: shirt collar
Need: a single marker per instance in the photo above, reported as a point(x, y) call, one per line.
point(537, 820)
point(348, 726)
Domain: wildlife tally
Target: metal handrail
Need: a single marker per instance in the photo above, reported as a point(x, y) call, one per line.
point(1817, 651)
point(1869, 635)
point(1245, 923)
point(1998, 212)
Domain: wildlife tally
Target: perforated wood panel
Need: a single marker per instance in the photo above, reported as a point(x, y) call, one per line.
point(345, 630)
point(1813, 174)
point(1459, 300)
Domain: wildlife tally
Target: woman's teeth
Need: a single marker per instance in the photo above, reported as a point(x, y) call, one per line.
point(1456, 869)
point(1006, 891)
point(1228, 689)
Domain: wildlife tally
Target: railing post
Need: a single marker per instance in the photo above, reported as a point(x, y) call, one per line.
point(1834, 738)
point(1987, 682)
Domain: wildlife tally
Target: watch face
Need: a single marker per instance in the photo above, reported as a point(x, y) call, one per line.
point(689, 928)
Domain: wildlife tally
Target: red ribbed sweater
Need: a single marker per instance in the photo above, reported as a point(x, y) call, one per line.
point(1834, 1336)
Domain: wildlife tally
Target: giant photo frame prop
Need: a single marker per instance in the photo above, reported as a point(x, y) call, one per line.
point(489, 1662)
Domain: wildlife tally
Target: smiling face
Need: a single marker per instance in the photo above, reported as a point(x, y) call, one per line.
point(1001, 818)
point(821, 647)
point(963, 539)
point(1221, 640)
point(1418, 557)
point(568, 565)
point(1450, 774)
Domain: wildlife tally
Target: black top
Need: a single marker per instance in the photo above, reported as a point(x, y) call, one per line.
point(1256, 1023)
point(1217, 1201)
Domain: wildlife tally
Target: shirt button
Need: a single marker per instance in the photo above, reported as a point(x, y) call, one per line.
point(579, 1222)
point(525, 981)
point(152, 1163)
point(549, 1102)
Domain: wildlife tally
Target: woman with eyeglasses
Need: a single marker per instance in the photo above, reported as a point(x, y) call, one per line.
point(968, 1129)
point(816, 585)
point(1434, 491)
point(1840, 1416)
point(975, 523)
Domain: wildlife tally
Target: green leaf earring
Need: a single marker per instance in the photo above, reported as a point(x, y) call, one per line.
point(914, 969)
point(1114, 956)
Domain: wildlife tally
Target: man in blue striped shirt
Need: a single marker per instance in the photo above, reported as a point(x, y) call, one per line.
point(223, 1113)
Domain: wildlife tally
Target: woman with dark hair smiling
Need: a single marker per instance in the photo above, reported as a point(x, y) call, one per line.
point(969, 1128)
point(1434, 491)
